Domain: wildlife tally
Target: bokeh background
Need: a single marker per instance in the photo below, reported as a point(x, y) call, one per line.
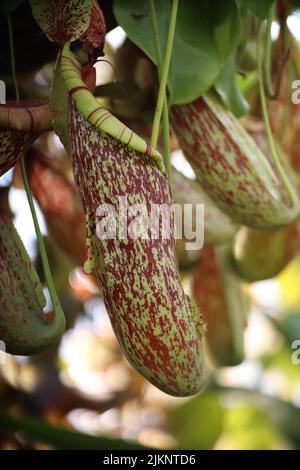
point(85, 384)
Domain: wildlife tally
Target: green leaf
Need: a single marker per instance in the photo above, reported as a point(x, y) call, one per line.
point(203, 40)
point(62, 21)
point(260, 8)
point(227, 27)
point(7, 6)
point(227, 87)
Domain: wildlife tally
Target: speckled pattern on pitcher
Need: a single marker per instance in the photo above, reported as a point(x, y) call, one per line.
point(156, 324)
point(230, 166)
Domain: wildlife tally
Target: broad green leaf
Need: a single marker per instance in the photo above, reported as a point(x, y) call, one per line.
point(7, 6)
point(63, 20)
point(203, 40)
point(227, 27)
point(260, 8)
point(229, 90)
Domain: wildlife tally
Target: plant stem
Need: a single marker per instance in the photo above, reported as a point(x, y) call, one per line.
point(42, 249)
point(48, 276)
point(164, 74)
point(165, 115)
point(166, 138)
point(266, 118)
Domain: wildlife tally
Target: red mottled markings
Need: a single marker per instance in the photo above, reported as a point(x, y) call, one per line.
point(93, 37)
point(62, 20)
point(13, 145)
point(237, 176)
point(23, 327)
point(141, 286)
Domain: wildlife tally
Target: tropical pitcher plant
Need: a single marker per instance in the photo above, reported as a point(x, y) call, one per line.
point(111, 204)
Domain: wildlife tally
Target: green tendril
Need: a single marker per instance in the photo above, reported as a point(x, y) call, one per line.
point(165, 113)
point(42, 249)
point(267, 64)
point(163, 70)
